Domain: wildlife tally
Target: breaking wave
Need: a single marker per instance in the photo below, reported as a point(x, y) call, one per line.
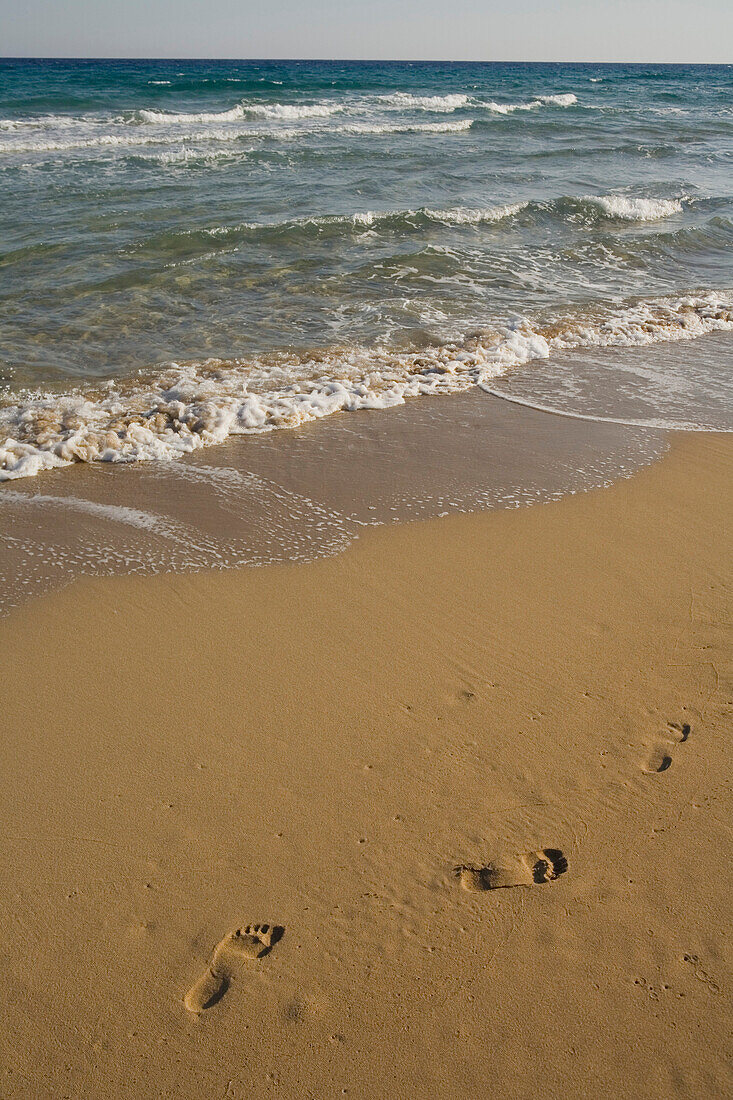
point(173, 118)
point(405, 127)
point(406, 101)
point(589, 208)
point(635, 209)
point(88, 127)
point(137, 139)
point(286, 111)
point(184, 407)
point(566, 99)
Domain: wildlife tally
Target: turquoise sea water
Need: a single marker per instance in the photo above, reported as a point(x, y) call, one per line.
point(345, 235)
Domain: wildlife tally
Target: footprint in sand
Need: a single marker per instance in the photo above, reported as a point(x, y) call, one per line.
point(660, 760)
point(679, 732)
point(249, 943)
point(532, 867)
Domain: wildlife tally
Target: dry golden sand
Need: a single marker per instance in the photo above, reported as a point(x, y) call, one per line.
point(317, 747)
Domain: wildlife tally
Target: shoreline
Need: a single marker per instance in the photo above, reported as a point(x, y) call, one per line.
point(318, 745)
point(178, 410)
point(305, 493)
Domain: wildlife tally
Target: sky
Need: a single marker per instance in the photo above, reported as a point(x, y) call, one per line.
point(472, 30)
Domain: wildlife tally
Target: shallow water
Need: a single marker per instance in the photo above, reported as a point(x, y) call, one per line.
point(344, 236)
point(304, 494)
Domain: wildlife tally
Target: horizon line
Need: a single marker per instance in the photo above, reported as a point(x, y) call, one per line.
point(353, 60)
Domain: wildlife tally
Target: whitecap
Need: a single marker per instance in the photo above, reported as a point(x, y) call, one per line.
point(567, 99)
point(564, 99)
point(292, 111)
point(628, 208)
point(461, 215)
point(174, 118)
point(406, 101)
point(405, 128)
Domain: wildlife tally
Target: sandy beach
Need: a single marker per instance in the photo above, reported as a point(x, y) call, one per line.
point(473, 772)
point(365, 553)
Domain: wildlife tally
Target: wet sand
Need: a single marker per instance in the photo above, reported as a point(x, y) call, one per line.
point(303, 493)
point(539, 698)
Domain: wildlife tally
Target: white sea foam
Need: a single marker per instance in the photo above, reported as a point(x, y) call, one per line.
point(460, 215)
point(406, 101)
point(293, 111)
point(284, 111)
point(404, 127)
point(565, 99)
point(627, 208)
point(653, 322)
point(446, 103)
point(179, 118)
point(151, 126)
point(506, 108)
point(189, 155)
point(135, 137)
point(116, 513)
point(46, 122)
point(376, 128)
point(403, 101)
point(360, 218)
point(189, 406)
point(53, 145)
point(457, 215)
point(131, 140)
point(660, 422)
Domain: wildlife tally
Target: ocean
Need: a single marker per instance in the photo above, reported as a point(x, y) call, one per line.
point(191, 250)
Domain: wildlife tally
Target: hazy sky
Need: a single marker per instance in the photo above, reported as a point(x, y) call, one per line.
point(531, 30)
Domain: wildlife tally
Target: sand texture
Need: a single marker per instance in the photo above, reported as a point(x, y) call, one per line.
point(445, 815)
